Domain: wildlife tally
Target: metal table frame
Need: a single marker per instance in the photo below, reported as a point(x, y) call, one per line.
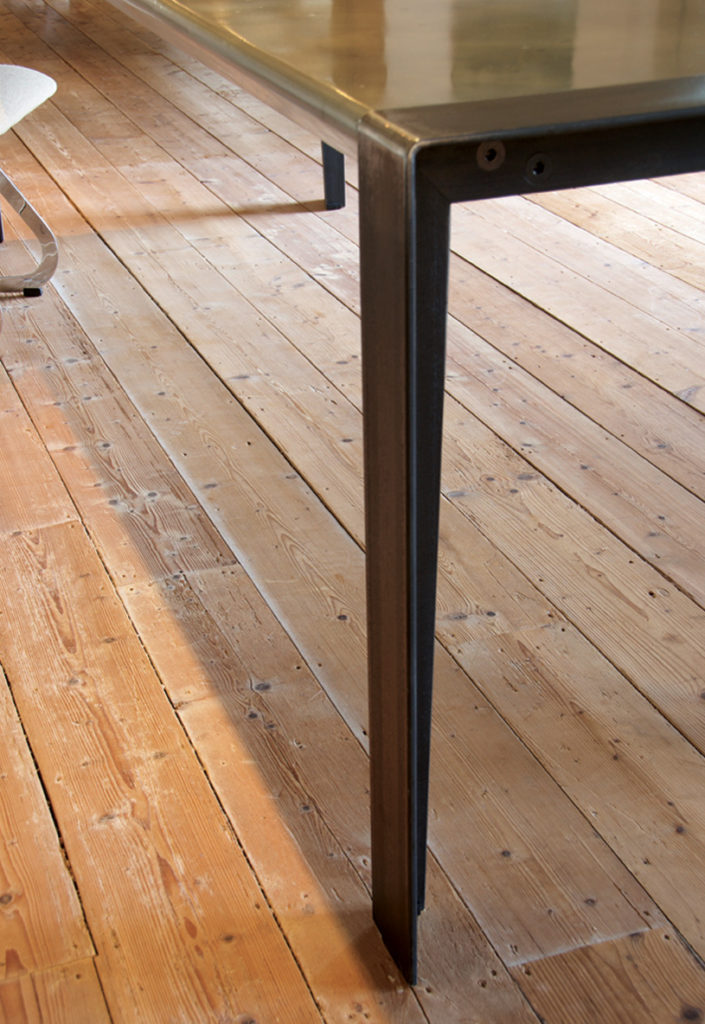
point(414, 163)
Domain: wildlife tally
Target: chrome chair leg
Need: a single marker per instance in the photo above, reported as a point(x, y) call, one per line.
point(29, 283)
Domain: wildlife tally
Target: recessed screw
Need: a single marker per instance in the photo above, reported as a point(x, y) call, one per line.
point(538, 168)
point(490, 155)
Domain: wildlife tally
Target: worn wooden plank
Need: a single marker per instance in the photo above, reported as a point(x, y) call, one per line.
point(666, 354)
point(651, 222)
point(643, 623)
point(70, 994)
point(667, 300)
point(120, 479)
point(610, 392)
point(502, 820)
point(314, 943)
point(168, 893)
point(655, 516)
point(635, 778)
point(41, 922)
point(81, 376)
point(650, 977)
point(32, 492)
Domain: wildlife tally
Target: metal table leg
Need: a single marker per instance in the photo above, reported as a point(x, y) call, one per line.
point(404, 242)
point(333, 177)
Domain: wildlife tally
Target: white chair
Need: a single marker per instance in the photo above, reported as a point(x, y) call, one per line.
point(21, 90)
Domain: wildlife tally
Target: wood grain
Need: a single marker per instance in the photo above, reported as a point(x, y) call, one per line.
point(193, 375)
point(32, 492)
point(70, 994)
point(41, 922)
point(650, 977)
point(648, 219)
point(666, 354)
point(150, 834)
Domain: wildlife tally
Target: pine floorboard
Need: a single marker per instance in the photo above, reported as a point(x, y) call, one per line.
point(183, 777)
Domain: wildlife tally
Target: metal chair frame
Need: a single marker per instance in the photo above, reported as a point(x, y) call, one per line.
point(29, 283)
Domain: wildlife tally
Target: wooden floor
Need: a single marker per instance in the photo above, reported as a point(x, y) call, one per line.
point(183, 777)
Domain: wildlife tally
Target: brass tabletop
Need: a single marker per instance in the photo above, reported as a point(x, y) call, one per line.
point(346, 58)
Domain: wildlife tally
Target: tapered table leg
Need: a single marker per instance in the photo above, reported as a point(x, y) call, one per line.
point(404, 272)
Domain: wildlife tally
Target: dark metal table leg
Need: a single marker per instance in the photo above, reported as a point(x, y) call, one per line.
point(404, 273)
point(333, 177)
